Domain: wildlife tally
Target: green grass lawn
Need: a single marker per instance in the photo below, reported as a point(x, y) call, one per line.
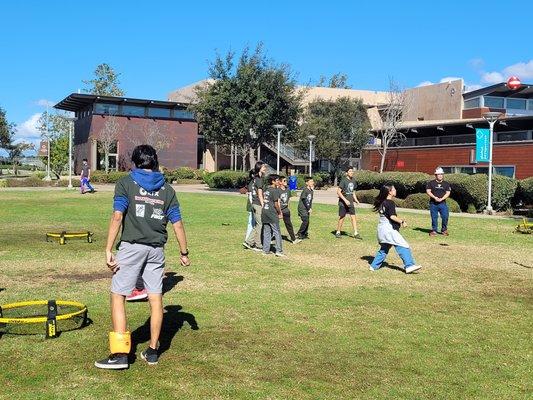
point(316, 325)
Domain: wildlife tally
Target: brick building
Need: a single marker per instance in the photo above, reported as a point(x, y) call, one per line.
point(167, 125)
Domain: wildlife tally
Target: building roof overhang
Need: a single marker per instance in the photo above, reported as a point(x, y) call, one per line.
point(502, 90)
point(79, 101)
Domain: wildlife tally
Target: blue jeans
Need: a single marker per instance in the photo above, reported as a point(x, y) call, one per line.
point(403, 252)
point(436, 209)
point(251, 224)
point(270, 230)
point(85, 183)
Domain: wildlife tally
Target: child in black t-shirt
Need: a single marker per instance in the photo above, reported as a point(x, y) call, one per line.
point(271, 215)
point(284, 198)
point(304, 207)
point(389, 231)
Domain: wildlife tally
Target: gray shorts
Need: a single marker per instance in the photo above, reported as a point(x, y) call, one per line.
point(135, 259)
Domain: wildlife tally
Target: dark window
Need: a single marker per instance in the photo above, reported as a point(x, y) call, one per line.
point(447, 170)
point(530, 104)
point(426, 141)
point(516, 104)
point(134, 111)
point(472, 103)
point(108, 109)
point(495, 102)
point(182, 114)
point(466, 170)
point(457, 139)
point(159, 112)
point(512, 136)
point(505, 171)
point(482, 170)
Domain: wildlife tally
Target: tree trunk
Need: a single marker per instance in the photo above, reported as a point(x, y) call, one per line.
point(383, 159)
point(231, 159)
point(251, 157)
point(106, 162)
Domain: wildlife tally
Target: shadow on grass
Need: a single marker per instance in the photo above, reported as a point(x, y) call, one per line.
point(173, 321)
point(170, 281)
point(343, 233)
point(385, 264)
point(425, 230)
point(2, 289)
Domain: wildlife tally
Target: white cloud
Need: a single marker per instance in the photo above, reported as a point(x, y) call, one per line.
point(45, 103)
point(492, 77)
point(27, 131)
point(471, 88)
point(425, 83)
point(521, 70)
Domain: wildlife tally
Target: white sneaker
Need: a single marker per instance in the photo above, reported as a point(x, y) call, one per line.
point(412, 268)
point(296, 241)
point(280, 255)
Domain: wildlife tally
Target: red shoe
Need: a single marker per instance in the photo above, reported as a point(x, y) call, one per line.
point(445, 233)
point(432, 233)
point(137, 295)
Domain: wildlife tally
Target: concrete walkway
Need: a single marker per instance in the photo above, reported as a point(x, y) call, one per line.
point(328, 196)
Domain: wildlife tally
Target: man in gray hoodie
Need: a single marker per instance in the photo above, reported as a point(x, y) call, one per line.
point(142, 206)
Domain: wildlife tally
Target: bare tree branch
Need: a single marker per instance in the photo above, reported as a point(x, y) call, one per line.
point(107, 137)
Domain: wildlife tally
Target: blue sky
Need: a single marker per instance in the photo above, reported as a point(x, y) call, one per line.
point(48, 47)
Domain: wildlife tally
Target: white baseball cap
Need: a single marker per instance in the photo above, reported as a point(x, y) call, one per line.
point(439, 171)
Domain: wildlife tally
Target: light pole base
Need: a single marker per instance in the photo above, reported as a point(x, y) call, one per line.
point(70, 186)
point(47, 178)
point(488, 211)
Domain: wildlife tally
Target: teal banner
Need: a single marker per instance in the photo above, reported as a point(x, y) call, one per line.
point(482, 145)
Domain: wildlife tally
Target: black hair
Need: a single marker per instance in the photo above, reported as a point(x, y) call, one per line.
point(272, 178)
point(145, 157)
point(282, 177)
point(251, 175)
point(382, 196)
point(84, 159)
point(308, 178)
point(349, 167)
point(257, 167)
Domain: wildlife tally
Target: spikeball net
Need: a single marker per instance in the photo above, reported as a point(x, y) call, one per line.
point(42, 316)
point(62, 237)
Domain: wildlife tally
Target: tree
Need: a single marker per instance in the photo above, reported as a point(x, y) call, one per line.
point(151, 134)
point(338, 80)
point(7, 141)
point(107, 138)
point(341, 128)
point(55, 127)
point(105, 82)
point(246, 98)
point(391, 115)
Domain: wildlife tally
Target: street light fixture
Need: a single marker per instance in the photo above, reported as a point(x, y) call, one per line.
point(311, 138)
point(491, 118)
point(278, 128)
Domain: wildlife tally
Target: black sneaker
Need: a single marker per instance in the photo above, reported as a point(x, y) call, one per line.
point(114, 361)
point(150, 356)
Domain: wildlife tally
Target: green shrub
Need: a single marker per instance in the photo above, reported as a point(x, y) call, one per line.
point(471, 209)
point(208, 179)
point(184, 173)
point(420, 201)
point(3, 183)
point(227, 179)
point(40, 174)
point(32, 181)
point(64, 183)
point(405, 182)
point(524, 192)
point(110, 177)
point(367, 196)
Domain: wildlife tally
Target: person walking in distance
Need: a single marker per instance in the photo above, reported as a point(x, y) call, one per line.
point(85, 177)
point(438, 191)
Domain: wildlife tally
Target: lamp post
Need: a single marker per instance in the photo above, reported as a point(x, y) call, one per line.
point(278, 128)
point(48, 177)
point(491, 118)
point(71, 124)
point(311, 138)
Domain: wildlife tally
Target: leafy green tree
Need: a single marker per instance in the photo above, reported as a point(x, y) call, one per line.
point(105, 82)
point(7, 141)
point(246, 99)
point(57, 127)
point(338, 80)
point(341, 128)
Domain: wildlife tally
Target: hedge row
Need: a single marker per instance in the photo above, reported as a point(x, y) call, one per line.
point(228, 179)
point(34, 181)
point(184, 173)
point(469, 191)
